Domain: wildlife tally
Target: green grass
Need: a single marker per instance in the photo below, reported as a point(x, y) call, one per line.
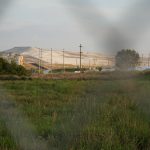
point(83, 115)
point(6, 141)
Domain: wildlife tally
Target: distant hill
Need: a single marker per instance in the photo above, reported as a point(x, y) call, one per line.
point(18, 50)
point(31, 56)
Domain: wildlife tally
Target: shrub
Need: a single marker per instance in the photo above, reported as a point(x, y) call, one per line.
point(12, 68)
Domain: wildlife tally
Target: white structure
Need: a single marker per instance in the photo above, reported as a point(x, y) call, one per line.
point(19, 60)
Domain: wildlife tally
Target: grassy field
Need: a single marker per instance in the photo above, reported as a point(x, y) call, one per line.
point(83, 114)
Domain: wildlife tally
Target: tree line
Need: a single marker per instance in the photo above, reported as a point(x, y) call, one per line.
point(125, 59)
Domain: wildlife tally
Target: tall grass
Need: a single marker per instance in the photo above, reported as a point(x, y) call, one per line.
point(84, 115)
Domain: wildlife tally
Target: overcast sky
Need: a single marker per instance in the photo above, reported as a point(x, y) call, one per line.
point(55, 24)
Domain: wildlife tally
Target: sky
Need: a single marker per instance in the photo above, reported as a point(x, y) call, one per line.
point(64, 24)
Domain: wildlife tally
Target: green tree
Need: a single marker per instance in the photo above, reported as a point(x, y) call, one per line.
point(127, 58)
point(4, 66)
point(12, 68)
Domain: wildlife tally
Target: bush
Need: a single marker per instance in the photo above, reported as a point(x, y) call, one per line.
point(99, 68)
point(12, 68)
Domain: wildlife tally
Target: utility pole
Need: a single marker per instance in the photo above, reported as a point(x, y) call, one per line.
point(63, 60)
point(51, 60)
point(94, 62)
point(89, 64)
point(80, 57)
point(40, 57)
point(77, 62)
point(108, 61)
point(39, 61)
point(149, 60)
point(142, 60)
